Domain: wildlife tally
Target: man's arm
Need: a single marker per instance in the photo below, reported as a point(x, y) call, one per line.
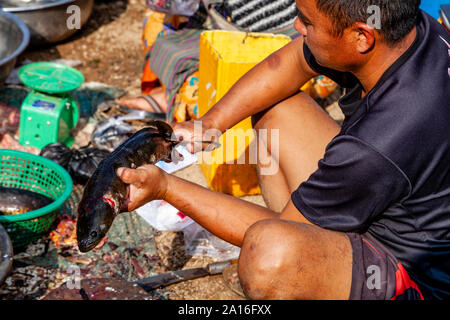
point(223, 215)
point(277, 77)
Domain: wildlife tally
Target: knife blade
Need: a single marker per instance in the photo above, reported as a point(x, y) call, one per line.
point(165, 279)
point(214, 143)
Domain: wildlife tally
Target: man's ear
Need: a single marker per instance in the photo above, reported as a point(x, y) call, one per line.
point(365, 37)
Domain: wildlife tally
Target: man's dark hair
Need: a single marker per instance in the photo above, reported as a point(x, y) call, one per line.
point(398, 17)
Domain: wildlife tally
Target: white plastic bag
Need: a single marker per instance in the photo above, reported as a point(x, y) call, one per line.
point(160, 214)
point(178, 7)
point(163, 216)
point(200, 242)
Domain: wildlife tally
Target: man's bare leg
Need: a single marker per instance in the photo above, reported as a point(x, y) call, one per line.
point(304, 132)
point(288, 260)
point(284, 259)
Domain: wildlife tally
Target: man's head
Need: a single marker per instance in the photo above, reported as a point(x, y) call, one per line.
point(337, 31)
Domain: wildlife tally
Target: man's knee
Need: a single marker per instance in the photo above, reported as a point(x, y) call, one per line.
point(266, 119)
point(281, 112)
point(286, 260)
point(265, 256)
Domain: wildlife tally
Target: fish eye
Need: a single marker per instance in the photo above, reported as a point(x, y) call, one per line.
point(93, 234)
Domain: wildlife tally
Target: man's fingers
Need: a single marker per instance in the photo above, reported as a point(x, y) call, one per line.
point(121, 173)
point(182, 134)
point(137, 177)
point(129, 176)
point(190, 147)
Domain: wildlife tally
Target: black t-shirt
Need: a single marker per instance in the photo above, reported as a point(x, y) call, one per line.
point(388, 171)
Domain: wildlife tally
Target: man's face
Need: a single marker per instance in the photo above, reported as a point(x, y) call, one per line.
point(317, 29)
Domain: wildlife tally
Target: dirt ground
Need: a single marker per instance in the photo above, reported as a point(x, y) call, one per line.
point(109, 45)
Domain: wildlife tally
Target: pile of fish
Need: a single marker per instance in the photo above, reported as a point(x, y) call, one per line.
point(9, 119)
point(9, 130)
point(30, 282)
point(105, 195)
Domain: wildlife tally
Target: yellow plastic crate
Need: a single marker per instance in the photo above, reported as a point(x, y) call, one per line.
point(225, 57)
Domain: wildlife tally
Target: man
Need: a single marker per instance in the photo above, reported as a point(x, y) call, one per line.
point(354, 212)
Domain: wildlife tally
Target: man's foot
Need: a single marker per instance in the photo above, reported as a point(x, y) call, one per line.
point(155, 102)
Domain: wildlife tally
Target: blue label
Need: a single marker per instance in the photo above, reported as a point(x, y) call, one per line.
point(43, 104)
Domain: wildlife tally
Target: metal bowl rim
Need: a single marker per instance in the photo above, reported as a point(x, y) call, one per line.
point(38, 6)
point(25, 33)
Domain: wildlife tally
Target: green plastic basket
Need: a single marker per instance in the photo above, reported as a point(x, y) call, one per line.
point(27, 171)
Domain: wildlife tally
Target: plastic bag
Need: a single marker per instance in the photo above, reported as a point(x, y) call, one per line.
point(164, 217)
point(200, 242)
point(111, 133)
point(174, 7)
point(80, 164)
point(84, 162)
point(160, 214)
point(58, 152)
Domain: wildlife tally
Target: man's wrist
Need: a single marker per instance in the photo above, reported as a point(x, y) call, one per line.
point(209, 122)
point(164, 185)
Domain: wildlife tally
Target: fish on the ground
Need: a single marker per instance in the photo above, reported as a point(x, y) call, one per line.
point(16, 201)
point(105, 194)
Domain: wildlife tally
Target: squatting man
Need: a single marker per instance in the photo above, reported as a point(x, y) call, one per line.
point(370, 197)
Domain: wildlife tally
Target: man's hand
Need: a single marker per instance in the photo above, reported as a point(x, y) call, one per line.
point(192, 132)
point(146, 183)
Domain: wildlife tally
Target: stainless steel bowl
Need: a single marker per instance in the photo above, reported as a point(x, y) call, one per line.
point(14, 38)
point(6, 254)
point(48, 19)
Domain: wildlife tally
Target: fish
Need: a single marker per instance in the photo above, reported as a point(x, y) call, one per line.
point(105, 194)
point(17, 201)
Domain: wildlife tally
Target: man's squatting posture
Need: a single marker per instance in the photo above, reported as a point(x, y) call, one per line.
point(374, 193)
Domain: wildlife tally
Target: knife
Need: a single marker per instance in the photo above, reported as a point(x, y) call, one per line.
point(214, 143)
point(165, 279)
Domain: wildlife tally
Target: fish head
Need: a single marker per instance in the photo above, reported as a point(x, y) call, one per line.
point(94, 221)
point(163, 128)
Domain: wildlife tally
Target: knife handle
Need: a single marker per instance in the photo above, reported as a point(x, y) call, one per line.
point(218, 267)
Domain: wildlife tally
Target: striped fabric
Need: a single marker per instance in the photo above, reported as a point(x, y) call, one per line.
point(261, 15)
point(173, 58)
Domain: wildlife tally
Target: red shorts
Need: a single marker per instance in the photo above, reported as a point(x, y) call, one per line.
point(376, 274)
